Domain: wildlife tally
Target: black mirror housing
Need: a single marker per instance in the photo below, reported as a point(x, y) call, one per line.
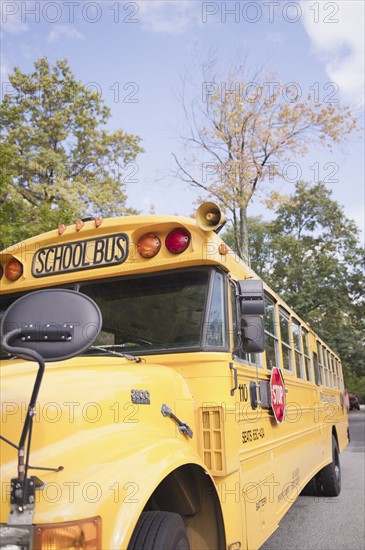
point(55, 323)
point(252, 306)
point(253, 334)
point(251, 296)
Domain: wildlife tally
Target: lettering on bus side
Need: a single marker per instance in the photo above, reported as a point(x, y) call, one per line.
point(80, 255)
point(327, 398)
point(253, 435)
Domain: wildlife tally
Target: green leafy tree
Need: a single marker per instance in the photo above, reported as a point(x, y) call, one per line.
point(310, 254)
point(242, 130)
point(57, 160)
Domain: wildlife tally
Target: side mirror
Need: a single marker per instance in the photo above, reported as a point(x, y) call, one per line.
point(253, 334)
point(251, 296)
point(55, 323)
point(252, 306)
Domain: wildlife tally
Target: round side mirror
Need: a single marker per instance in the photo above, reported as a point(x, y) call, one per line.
point(56, 323)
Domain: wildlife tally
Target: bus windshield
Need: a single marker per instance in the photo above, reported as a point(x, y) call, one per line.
point(155, 312)
point(181, 311)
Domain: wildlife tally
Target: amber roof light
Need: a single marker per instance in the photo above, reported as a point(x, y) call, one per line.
point(149, 245)
point(13, 270)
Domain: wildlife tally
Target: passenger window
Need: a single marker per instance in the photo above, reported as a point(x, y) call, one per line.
point(335, 376)
point(271, 332)
point(330, 368)
point(326, 368)
point(297, 349)
point(285, 340)
point(321, 364)
point(316, 369)
point(307, 361)
point(340, 376)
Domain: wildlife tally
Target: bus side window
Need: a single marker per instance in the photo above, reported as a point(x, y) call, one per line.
point(286, 340)
point(307, 361)
point(321, 364)
point(325, 372)
point(298, 349)
point(339, 373)
point(271, 332)
point(335, 376)
point(327, 368)
point(332, 368)
point(317, 376)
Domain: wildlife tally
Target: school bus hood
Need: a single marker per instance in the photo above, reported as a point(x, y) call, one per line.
point(87, 423)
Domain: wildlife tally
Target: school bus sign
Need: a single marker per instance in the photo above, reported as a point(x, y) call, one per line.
point(277, 388)
point(79, 255)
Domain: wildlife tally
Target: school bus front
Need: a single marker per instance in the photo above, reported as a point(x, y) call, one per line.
point(157, 435)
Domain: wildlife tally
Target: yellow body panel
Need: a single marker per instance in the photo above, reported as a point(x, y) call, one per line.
point(117, 455)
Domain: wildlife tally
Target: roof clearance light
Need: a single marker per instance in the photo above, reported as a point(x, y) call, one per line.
point(149, 245)
point(13, 270)
point(177, 240)
point(79, 224)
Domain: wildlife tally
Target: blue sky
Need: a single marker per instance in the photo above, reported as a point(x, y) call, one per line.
point(135, 54)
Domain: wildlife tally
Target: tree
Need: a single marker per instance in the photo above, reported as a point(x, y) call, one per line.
point(58, 162)
point(245, 131)
point(310, 255)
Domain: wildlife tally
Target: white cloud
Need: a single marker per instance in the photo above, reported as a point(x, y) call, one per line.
point(64, 31)
point(337, 37)
point(167, 16)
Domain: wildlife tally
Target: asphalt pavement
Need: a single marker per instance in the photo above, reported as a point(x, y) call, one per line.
point(337, 523)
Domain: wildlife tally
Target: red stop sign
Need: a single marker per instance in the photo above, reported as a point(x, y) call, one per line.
point(277, 390)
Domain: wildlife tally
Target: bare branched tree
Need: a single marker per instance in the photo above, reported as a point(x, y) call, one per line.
point(242, 130)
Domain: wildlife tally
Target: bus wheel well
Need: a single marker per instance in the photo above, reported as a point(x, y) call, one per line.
point(190, 492)
point(334, 433)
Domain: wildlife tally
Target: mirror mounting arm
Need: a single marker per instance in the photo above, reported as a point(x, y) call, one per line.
point(39, 340)
point(25, 353)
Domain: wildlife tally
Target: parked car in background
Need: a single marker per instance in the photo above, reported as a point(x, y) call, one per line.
point(354, 402)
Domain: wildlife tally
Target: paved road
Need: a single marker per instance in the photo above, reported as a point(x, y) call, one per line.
point(319, 523)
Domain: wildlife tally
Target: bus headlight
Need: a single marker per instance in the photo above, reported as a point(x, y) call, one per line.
point(81, 534)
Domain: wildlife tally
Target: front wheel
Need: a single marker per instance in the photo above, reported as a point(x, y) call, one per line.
point(159, 531)
point(331, 474)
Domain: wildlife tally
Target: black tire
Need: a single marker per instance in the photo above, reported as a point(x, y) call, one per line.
point(159, 531)
point(331, 474)
point(313, 487)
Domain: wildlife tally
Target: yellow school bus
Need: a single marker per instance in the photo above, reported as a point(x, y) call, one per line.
point(192, 410)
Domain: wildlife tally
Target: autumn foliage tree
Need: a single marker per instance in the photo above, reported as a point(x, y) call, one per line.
point(241, 131)
point(58, 161)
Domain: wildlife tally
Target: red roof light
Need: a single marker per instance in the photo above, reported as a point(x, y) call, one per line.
point(177, 240)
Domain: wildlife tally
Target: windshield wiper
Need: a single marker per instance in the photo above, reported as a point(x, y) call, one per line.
point(108, 349)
